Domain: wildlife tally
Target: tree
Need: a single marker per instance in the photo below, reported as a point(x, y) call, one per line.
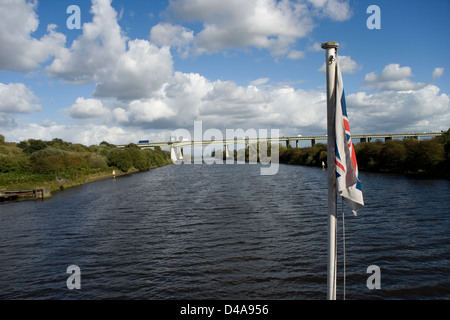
point(138, 158)
point(49, 161)
point(393, 156)
point(2, 139)
point(120, 159)
point(32, 145)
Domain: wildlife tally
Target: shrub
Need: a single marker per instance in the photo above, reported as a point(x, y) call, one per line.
point(49, 161)
point(14, 164)
point(32, 145)
point(120, 159)
point(97, 161)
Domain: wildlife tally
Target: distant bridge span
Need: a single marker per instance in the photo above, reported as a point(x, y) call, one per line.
point(288, 140)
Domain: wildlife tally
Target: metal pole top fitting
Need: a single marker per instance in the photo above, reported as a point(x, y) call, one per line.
point(330, 44)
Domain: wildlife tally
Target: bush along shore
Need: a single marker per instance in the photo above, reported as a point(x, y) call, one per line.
point(58, 164)
point(423, 158)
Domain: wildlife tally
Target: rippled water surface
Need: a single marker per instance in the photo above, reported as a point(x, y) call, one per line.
point(225, 232)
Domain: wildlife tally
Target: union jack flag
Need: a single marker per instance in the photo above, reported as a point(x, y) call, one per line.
point(348, 184)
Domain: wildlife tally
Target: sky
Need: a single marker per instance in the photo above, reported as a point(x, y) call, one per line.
point(139, 70)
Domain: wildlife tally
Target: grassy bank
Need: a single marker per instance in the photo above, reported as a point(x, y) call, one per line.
point(59, 165)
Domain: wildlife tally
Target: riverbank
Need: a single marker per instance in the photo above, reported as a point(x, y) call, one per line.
point(410, 157)
point(55, 185)
point(58, 165)
point(25, 181)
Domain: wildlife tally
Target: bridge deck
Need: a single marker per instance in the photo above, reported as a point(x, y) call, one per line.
point(166, 144)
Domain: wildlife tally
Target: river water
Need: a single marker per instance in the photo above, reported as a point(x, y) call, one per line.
point(226, 232)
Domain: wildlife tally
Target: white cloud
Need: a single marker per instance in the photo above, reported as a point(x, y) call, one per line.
point(263, 24)
point(147, 111)
point(437, 73)
point(315, 47)
point(393, 77)
point(138, 73)
point(338, 10)
point(260, 81)
point(296, 54)
point(20, 51)
point(166, 34)
point(399, 111)
point(87, 109)
point(16, 98)
point(347, 65)
point(124, 73)
point(89, 134)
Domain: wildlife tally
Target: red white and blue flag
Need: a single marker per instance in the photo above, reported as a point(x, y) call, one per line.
point(347, 176)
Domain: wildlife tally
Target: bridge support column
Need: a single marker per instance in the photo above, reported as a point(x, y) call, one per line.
point(227, 152)
point(296, 144)
point(287, 143)
point(363, 140)
point(313, 142)
point(180, 153)
point(173, 155)
point(176, 154)
point(387, 139)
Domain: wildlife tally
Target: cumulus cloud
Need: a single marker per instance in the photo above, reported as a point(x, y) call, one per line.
point(16, 98)
point(263, 24)
point(334, 9)
point(166, 34)
point(347, 65)
point(88, 134)
point(399, 111)
point(393, 77)
point(87, 109)
point(296, 54)
point(315, 47)
point(20, 51)
point(437, 73)
point(123, 69)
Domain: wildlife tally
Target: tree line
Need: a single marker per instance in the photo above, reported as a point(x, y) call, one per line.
point(35, 160)
point(429, 157)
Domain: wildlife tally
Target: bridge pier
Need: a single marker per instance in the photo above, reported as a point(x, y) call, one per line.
point(296, 144)
point(387, 139)
point(227, 152)
point(176, 154)
point(313, 142)
point(173, 155)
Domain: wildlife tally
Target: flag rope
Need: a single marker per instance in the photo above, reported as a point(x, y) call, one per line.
point(343, 240)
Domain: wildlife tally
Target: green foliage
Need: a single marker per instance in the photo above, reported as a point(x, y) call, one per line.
point(52, 160)
point(368, 155)
point(97, 161)
point(32, 145)
point(106, 144)
point(120, 159)
point(393, 156)
point(133, 157)
point(34, 162)
point(138, 159)
point(14, 164)
point(429, 157)
point(2, 139)
point(313, 156)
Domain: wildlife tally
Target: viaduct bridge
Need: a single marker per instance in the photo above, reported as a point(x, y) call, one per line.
point(176, 147)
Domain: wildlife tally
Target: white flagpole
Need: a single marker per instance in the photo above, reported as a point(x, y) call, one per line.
point(331, 48)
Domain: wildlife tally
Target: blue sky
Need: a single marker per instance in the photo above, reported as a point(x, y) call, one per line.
point(142, 69)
